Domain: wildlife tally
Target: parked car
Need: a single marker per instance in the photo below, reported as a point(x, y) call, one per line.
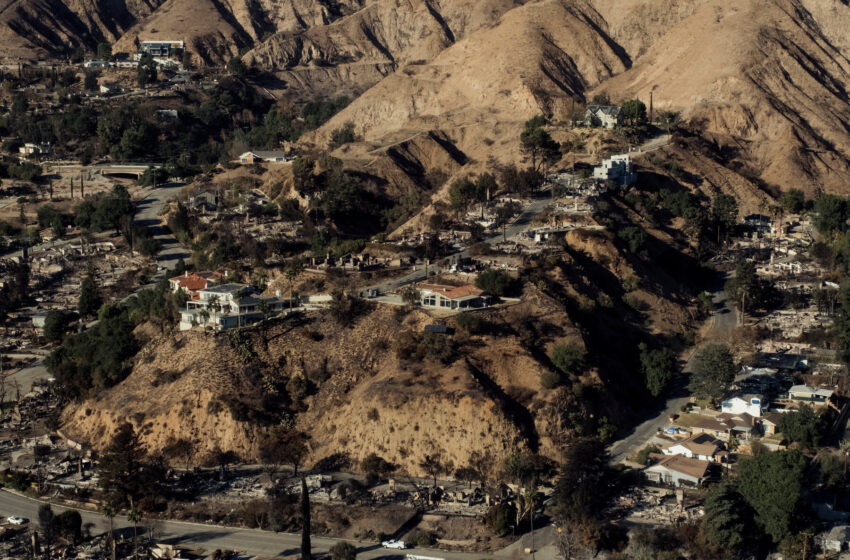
point(15, 520)
point(400, 545)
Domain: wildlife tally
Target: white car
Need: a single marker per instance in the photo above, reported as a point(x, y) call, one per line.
point(15, 520)
point(394, 544)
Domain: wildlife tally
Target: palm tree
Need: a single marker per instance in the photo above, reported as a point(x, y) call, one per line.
point(134, 515)
point(110, 511)
point(213, 302)
point(291, 273)
point(205, 316)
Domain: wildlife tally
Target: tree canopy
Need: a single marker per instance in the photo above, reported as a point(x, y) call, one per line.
point(537, 144)
point(771, 483)
point(712, 370)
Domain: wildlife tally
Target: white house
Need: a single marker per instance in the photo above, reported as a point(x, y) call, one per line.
point(806, 394)
point(94, 63)
point(606, 116)
point(228, 306)
point(438, 296)
point(273, 156)
point(31, 149)
point(678, 470)
point(754, 405)
point(616, 168)
point(700, 446)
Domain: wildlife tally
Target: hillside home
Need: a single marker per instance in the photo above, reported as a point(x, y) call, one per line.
point(606, 116)
point(741, 403)
point(701, 446)
point(617, 169)
point(275, 156)
point(810, 395)
point(724, 424)
point(228, 306)
point(193, 282)
point(678, 470)
point(159, 49)
point(32, 149)
point(770, 423)
point(437, 296)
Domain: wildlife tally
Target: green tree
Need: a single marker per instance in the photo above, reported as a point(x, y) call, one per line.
point(90, 81)
point(302, 176)
point(634, 111)
point(841, 328)
point(658, 367)
point(56, 324)
point(121, 467)
point(712, 371)
point(669, 120)
point(745, 287)
point(831, 213)
point(90, 300)
point(771, 483)
point(802, 426)
point(726, 523)
point(793, 201)
point(724, 211)
point(461, 195)
point(236, 67)
point(47, 524)
point(519, 469)
point(536, 143)
point(569, 358)
point(146, 71)
point(104, 51)
point(433, 466)
point(495, 282)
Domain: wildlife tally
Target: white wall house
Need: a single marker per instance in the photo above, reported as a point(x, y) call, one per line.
point(678, 470)
point(616, 168)
point(606, 116)
point(701, 446)
point(228, 306)
point(754, 405)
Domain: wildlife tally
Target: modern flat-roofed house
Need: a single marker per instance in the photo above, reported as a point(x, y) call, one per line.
point(228, 306)
point(193, 282)
point(617, 169)
point(274, 156)
point(701, 446)
point(160, 48)
point(678, 470)
point(606, 116)
point(741, 403)
point(810, 395)
point(438, 296)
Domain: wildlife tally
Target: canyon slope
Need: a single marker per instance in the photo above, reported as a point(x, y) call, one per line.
point(764, 81)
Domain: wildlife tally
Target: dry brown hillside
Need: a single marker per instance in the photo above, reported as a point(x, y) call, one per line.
point(352, 391)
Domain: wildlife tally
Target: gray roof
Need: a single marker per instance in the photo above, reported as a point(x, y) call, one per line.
point(229, 288)
point(270, 154)
point(607, 109)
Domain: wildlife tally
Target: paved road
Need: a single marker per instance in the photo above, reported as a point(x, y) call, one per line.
point(211, 537)
point(721, 324)
point(147, 214)
point(519, 225)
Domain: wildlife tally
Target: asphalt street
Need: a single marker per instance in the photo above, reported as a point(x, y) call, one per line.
point(721, 324)
point(211, 537)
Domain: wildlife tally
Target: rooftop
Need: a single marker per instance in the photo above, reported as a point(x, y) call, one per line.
point(700, 444)
point(691, 467)
point(452, 292)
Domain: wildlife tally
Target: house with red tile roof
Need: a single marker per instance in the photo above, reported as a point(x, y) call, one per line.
point(193, 282)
